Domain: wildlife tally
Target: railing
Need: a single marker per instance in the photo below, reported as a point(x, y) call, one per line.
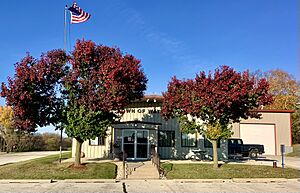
point(155, 159)
point(124, 165)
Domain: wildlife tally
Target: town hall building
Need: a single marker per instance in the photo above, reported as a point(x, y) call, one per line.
point(142, 127)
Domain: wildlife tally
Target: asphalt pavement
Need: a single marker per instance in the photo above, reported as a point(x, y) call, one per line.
point(128, 186)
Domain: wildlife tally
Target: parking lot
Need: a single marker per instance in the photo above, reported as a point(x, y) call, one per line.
point(153, 186)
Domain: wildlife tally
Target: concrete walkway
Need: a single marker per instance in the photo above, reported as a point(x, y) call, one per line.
point(291, 162)
point(133, 170)
point(7, 158)
point(144, 171)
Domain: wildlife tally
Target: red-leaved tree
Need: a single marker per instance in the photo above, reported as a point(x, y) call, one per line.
point(217, 100)
point(84, 97)
point(99, 86)
point(33, 91)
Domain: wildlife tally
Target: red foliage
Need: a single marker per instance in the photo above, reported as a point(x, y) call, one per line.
point(224, 96)
point(31, 92)
point(103, 79)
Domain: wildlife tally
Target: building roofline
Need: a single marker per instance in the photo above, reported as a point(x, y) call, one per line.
point(159, 98)
point(273, 111)
point(151, 98)
point(136, 122)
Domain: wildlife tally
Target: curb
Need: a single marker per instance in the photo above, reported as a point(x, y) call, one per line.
point(140, 180)
point(236, 180)
point(233, 180)
point(294, 180)
point(25, 181)
point(88, 181)
point(29, 181)
point(201, 180)
point(258, 180)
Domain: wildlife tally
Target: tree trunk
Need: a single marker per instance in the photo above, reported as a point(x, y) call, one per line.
point(78, 153)
point(215, 153)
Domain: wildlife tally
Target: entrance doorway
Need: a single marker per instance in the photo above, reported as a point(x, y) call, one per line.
point(136, 144)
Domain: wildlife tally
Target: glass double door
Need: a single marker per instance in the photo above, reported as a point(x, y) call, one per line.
point(136, 144)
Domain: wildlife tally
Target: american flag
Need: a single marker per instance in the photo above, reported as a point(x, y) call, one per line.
point(77, 14)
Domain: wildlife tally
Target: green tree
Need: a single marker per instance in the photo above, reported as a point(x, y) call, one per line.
point(84, 123)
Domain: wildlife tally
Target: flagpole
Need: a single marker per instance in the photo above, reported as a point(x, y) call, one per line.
point(65, 29)
point(65, 49)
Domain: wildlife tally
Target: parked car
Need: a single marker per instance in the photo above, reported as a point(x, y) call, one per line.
point(237, 147)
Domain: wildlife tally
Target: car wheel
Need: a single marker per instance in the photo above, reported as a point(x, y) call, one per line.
point(253, 154)
point(193, 158)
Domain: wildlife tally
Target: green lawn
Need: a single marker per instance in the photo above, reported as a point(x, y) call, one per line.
point(47, 168)
point(226, 171)
point(296, 151)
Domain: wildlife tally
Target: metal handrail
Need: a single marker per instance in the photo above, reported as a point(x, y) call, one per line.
point(124, 165)
point(155, 159)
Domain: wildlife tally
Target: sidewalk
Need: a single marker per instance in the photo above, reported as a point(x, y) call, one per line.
point(291, 162)
point(144, 172)
point(7, 158)
point(134, 170)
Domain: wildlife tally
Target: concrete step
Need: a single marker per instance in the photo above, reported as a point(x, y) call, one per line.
point(145, 171)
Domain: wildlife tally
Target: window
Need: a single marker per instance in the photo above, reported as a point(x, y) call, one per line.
point(188, 140)
point(208, 144)
point(239, 142)
point(97, 141)
point(166, 138)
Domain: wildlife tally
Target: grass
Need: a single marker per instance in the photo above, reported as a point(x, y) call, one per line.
point(296, 151)
point(48, 168)
point(226, 171)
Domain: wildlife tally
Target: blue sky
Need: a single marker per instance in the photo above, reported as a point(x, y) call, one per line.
point(170, 37)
